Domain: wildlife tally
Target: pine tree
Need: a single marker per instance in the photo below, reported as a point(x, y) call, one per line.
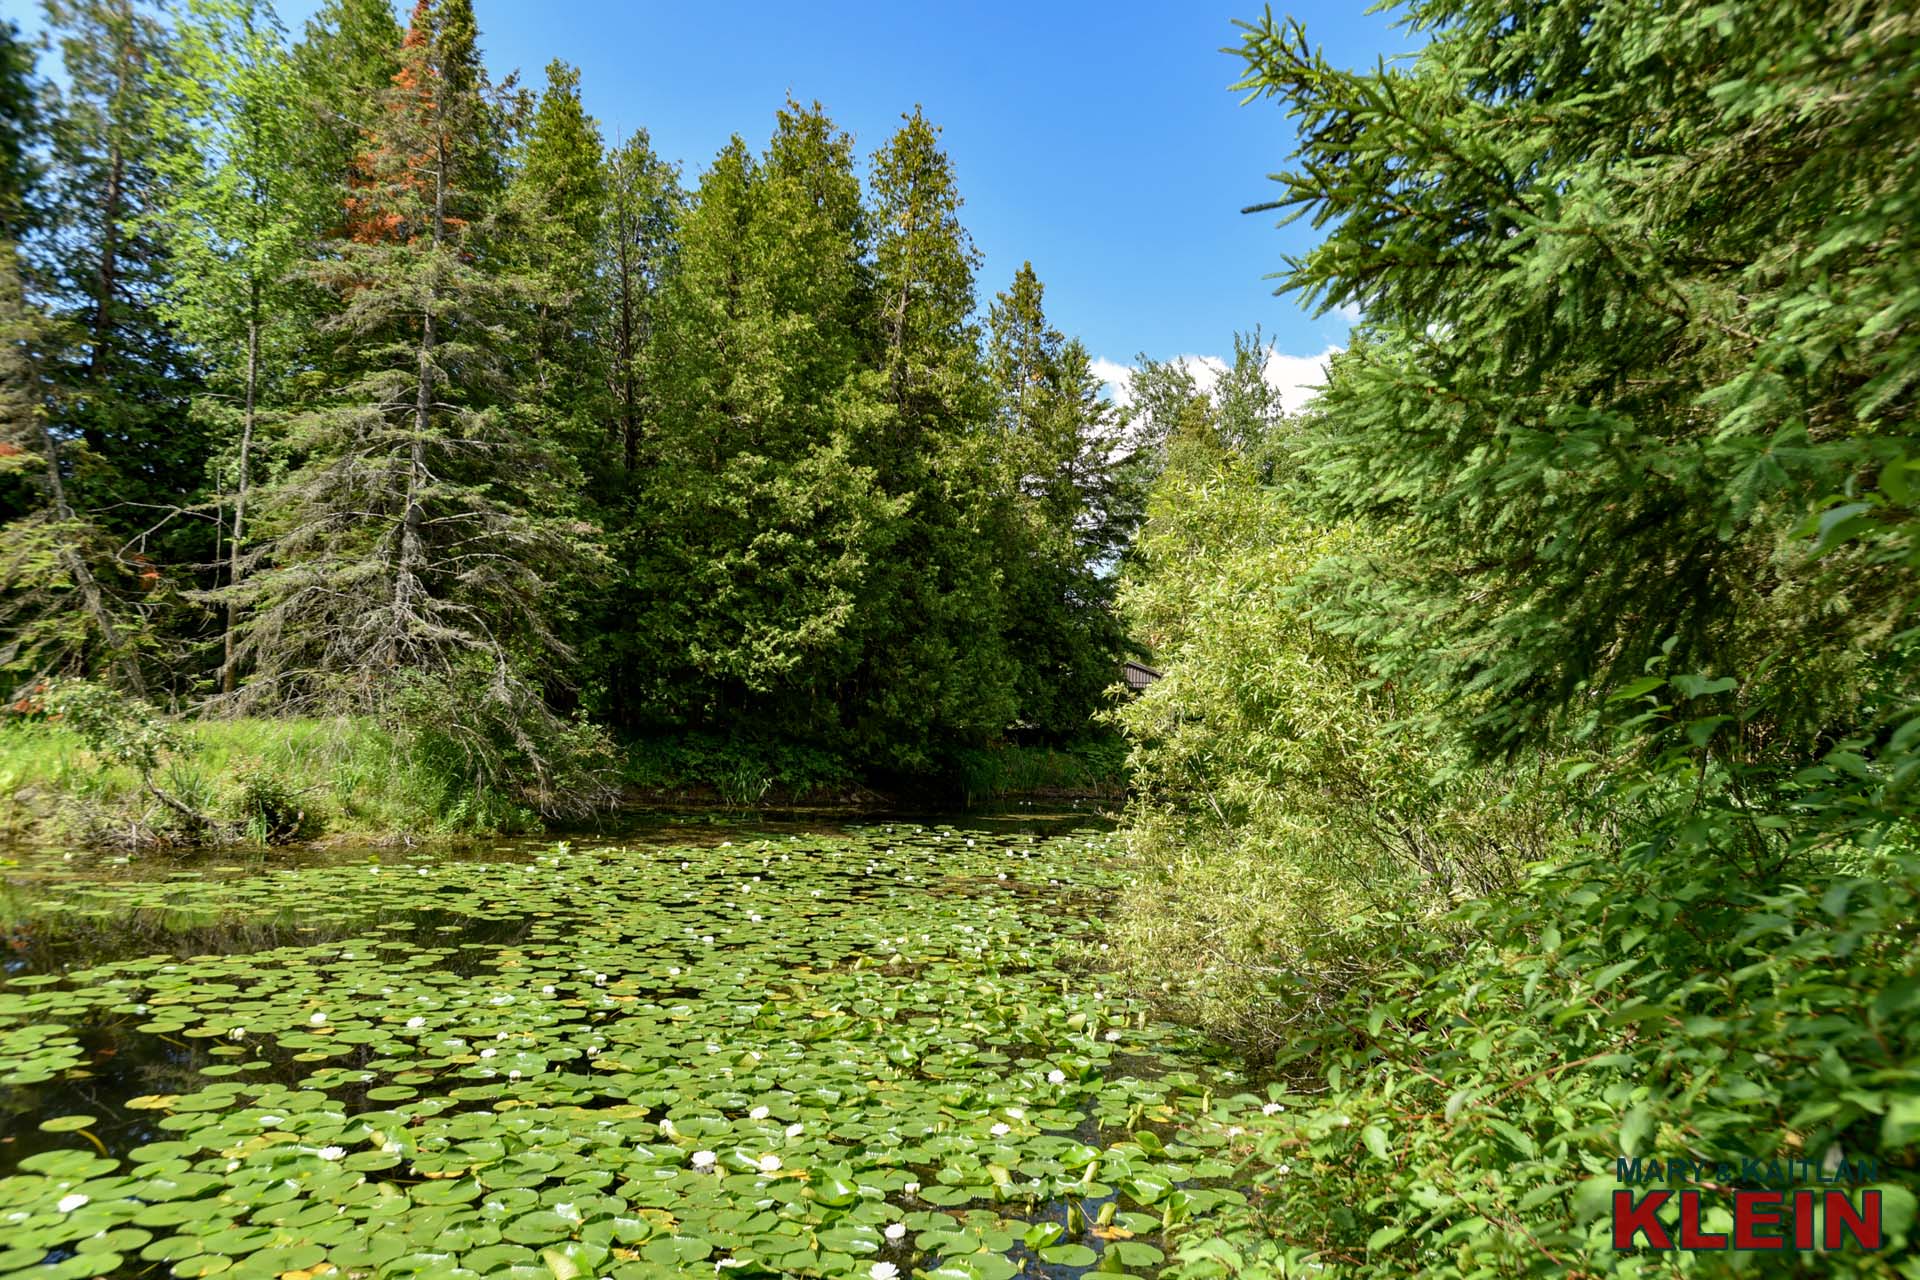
point(58, 614)
point(410, 560)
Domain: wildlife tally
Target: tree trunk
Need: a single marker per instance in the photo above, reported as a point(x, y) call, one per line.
point(110, 201)
point(92, 599)
point(228, 680)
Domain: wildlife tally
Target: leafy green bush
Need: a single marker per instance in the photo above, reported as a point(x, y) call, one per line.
point(1284, 794)
point(1458, 1112)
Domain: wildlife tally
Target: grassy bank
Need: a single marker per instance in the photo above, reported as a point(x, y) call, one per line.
point(274, 779)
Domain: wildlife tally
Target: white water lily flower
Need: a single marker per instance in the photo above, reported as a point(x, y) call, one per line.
point(331, 1153)
point(599, 979)
point(1056, 1076)
point(758, 1113)
point(236, 1033)
point(883, 1271)
point(707, 938)
point(488, 1053)
point(513, 1075)
point(317, 1020)
point(1284, 1170)
point(795, 1129)
point(69, 1203)
point(769, 1164)
point(912, 1188)
point(1113, 1035)
point(416, 1022)
point(1000, 1130)
point(1003, 875)
point(1272, 1109)
point(547, 990)
point(666, 1127)
point(704, 1159)
point(896, 1231)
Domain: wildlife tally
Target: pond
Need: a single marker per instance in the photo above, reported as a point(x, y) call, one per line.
point(710, 1050)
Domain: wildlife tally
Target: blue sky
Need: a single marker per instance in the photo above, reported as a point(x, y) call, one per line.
point(1098, 140)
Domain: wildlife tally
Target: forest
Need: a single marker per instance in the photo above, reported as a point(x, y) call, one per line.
point(1528, 789)
point(347, 382)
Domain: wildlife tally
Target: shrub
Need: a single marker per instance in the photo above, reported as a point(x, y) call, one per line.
point(1284, 794)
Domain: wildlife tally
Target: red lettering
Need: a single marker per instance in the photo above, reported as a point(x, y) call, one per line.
point(1749, 1213)
point(1803, 1219)
point(1630, 1220)
point(1862, 1224)
point(1691, 1237)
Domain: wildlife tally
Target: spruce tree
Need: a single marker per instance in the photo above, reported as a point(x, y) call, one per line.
point(60, 607)
point(410, 555)
point(131, 380)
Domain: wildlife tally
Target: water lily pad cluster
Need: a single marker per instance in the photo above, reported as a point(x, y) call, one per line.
point(851, 1055)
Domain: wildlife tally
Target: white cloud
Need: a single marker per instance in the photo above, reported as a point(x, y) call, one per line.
point(1296, 378)
point(1349, 311)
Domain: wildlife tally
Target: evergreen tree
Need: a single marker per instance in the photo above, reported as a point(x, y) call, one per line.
point(644, 208)
point(410, 554)
point(59, 610)
point(1633, 382)
point(1075, 504)
point(936, 673)
point(559, 201)
point(132, 383)
point(766, 528)
point(21, 135)
point(344, 66)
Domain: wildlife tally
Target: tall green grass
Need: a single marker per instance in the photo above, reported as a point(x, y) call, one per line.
point(350, 777)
